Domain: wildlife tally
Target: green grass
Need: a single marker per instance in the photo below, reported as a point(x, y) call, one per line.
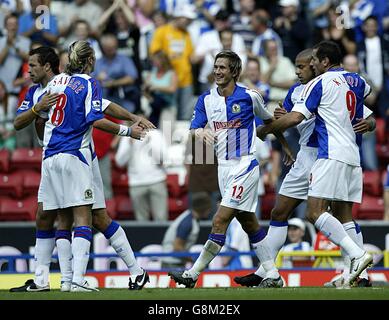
point(311, 293)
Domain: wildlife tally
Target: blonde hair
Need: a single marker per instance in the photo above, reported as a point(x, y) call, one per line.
point(79, 52)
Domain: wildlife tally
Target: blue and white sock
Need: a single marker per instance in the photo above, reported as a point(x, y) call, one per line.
point(210, 250)
point(65, 258)
point(118, 240)
point(80, 250)
point(44, 246)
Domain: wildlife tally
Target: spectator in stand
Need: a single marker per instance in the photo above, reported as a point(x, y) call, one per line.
point(14, 50)
point(317, 15)
point(86, 10)
point(241, 22)
point(80, 31)
point(386, 195)
point(183, 232)
point(118, 75)
point(252, 78)
point(39, 27)
point(293, 28)
point(104, 143)
point(159, 88)
point(174, 40)
point(373, 54)
point(8, 7)
point(7, 134)
point(277, 71)
point(295, 242)
point(210, 44)
point(147, 175)
point(344, 37)
point(369, 156)
point(119, 20)
point(260, 20)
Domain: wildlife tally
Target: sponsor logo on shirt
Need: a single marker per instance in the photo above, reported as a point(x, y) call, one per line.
point(232, 124)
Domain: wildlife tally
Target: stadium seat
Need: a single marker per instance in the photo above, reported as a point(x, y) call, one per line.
point(4, 160)
point(24, 158)
point(18, 210)
point(268, 201)
point(371, 208)
point(177, 206)
point(372, 183)
point(380, 131)
point(111, 208)
point(124, 208)
point(382, 151)
point(173, 186)
point(31, 181)
point(11, 184)
point(119, 183)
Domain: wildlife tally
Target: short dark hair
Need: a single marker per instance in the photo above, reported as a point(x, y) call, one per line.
point(47, 55)
point(330, 50)
point(235, 63)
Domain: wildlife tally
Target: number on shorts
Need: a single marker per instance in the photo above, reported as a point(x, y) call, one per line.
point(237, 192)
point(59, 112)
point(351, 102)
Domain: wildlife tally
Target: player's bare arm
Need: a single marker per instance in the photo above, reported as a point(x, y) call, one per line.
point(365, 125)
point(118, 112)
point(24, 119)
point(135, 131)
point(279, 111)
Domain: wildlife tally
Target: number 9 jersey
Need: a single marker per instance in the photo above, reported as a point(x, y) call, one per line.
point(336, 98)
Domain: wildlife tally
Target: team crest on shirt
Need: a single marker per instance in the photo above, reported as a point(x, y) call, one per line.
point(235, 108)
point(88, 194)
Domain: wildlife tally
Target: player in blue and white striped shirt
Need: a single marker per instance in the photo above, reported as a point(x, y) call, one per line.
point(230, 111)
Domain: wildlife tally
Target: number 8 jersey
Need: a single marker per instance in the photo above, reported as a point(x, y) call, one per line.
point(79, 104)
point(336, 98)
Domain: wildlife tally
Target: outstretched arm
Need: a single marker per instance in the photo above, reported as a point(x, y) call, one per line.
point(135, 131)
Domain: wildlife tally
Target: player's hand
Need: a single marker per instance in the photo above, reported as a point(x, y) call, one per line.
point(137, 132)
point(362, 126)
point(279, 111)
point(144, 123)
point(288, 159)
point(206, 135)
point(48, 100)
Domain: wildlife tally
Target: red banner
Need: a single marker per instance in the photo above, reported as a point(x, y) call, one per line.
point(292, 278)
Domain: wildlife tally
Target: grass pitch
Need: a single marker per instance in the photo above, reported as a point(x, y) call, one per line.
point(297, 293)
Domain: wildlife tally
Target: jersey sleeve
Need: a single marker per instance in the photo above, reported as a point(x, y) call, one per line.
point(288, 104)
point(366, 112)
point(199, 118)
point(94, 110)
point(105, 104)
point(28, 102)
point(259, 105)
point(367, 89)
point(310, 98)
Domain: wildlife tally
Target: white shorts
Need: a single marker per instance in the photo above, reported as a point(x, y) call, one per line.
point(296, 182)
point(336, 180)
point(66, 181)
point(98, 186)
point(238, 183)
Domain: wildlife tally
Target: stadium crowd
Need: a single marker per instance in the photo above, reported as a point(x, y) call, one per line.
point(155, 57)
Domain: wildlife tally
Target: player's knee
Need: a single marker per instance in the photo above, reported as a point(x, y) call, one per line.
point(278, 214)
point(100, 220)
point(44, 219)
